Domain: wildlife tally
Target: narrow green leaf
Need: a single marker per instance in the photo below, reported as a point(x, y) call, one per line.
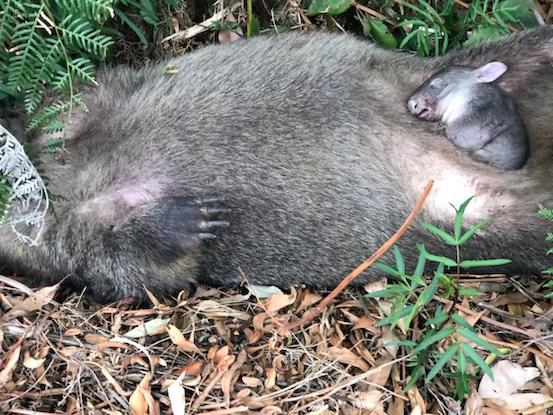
point(395, 317)
point(469, 292)
point(440, 317)
point(436, 258)
point(473, 337)
point(471, 263)
point(390, 291)
point(477, 359)
point(387, 269)
point(461, 360)
point(400, 262)
point(459, 214)
point(443, 235)
point(468, 234)
point(445, 358)
point(457, 318)
point(436, 337)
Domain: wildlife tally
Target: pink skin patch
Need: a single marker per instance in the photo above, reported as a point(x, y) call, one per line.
point(118, 202)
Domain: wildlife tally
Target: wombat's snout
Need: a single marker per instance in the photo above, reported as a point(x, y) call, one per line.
point(421, 108)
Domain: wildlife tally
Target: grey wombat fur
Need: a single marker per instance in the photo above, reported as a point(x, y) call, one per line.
point(305, 137)
point(479, 117)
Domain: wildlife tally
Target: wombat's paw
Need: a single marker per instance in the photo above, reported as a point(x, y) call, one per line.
point(212, 213)
point(182, 223)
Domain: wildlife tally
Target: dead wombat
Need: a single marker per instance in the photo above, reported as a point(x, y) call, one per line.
point(306, 139)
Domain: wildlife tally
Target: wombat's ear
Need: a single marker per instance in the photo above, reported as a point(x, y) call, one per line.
point(490, 72)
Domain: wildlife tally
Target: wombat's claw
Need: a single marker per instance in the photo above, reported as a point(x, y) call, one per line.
point(214, 211)
point(206, 236)
point(212, 224)
point(208, 199)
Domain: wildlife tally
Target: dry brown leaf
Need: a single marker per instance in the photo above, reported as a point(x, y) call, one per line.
point(220, 354)
point(366, 322)
point(191, 369)
point(270, 378)
point(279, 301)
point(214, 310)
point(230, 36)
point(252, 382)
point(347, 357)
point(5, 374)
point(30, 362)
point(36, 301)
point(139, 402)
point(382, 373)
point(388, 339)
point(74, 331)
point(416, 400)
point(178, 339)
point(94, 338)
point(258, 323)
point(228, 378)
point(308, 300)
point(474, 404)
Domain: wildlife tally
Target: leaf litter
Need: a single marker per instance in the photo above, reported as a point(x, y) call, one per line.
point(219, 352)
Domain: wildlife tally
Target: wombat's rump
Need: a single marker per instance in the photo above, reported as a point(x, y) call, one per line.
point(305, 138)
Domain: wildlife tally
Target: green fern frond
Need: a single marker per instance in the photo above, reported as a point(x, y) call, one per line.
point(48, 114)
point(546, 213)
point(81, 34)
point(27, 43)
point(96, 10)
point(8, 18)
point(54, 126)
point(80, 68)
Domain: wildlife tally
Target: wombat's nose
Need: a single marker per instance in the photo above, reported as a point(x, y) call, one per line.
point(412, 105)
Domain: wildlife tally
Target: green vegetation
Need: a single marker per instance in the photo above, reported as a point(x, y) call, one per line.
point(548, 214)
point(443, 343)
point(432, 28)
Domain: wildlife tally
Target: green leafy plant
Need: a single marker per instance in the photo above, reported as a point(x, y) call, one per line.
point(52, 44)
point(447, 340)
point(548, 214)
point(432, 27)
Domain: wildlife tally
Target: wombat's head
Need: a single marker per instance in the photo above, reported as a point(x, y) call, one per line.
point(449, 90)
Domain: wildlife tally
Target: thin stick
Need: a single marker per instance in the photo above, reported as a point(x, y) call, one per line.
point(314, 311)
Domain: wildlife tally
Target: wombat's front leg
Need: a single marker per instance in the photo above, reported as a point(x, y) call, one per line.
point(158, 246)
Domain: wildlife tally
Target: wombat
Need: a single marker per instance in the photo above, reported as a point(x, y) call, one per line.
point(302, 143)
point(479, 117)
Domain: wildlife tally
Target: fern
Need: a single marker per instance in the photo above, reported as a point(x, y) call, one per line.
point(93, 10)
